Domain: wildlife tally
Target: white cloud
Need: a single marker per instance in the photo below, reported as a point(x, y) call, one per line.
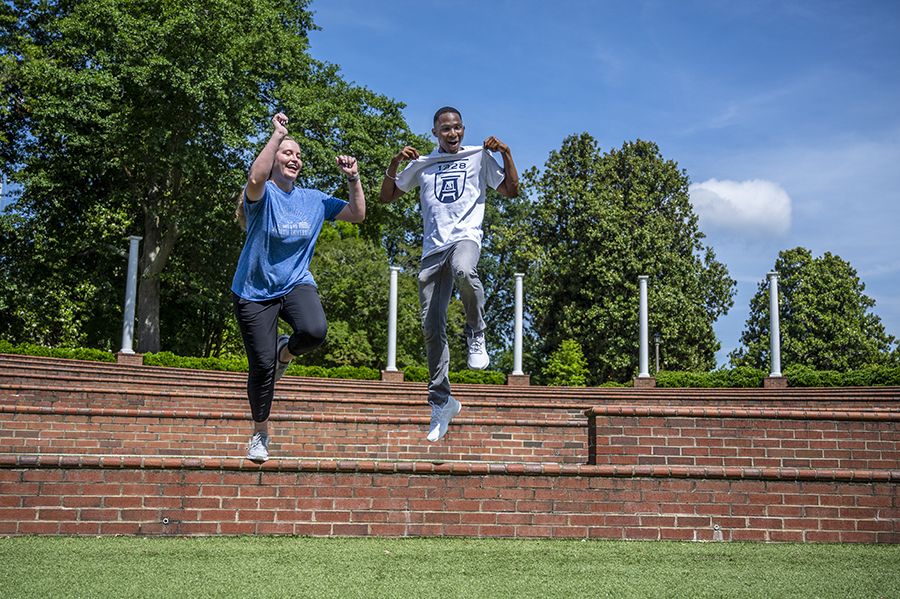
point(750, 208)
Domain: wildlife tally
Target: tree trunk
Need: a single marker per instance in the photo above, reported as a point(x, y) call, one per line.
point(148, 315)
point(158, 244)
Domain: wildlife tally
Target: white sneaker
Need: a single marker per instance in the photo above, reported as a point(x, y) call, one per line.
point(281, 367)
point(441, 417)
point(478, 356)
point(259, 447)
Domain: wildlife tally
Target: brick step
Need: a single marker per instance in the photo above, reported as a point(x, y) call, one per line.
point(614, 435)
point(17, 371)
point(292, 397)
point(156, 496)
point(118, 431)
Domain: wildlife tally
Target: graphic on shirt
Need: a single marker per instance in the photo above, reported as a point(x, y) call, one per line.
point(300, 229)
point(291, 220)
point(449, 182)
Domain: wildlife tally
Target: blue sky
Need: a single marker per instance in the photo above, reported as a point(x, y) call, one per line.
point(785, 115)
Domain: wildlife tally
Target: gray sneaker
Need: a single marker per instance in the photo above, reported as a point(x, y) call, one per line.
point(441, 417)
point(259, 447)
point(281, 367)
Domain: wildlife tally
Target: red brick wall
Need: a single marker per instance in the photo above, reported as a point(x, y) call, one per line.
point(322, 435)
point(154, 496)
point(744, 438)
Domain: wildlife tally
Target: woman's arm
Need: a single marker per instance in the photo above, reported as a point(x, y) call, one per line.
point(355, 211)
point(262, 166)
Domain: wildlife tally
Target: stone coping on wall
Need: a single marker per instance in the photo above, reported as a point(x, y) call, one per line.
point(282, 417)
point(110, 462)
point(873, 414)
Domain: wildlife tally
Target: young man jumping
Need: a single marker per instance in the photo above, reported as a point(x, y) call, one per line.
point(453, 182)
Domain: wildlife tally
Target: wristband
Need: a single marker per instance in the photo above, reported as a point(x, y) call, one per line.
point(352, 179)
point(388, 176)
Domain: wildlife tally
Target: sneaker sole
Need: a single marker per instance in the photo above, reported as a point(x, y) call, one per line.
point(472, 367)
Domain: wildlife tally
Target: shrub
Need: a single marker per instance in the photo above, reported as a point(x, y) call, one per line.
point(302, 370)
point(665, 378)
point(566, 367)
point(745, 376)
point(79, 353)
point(170, 360)
point(415, 374)
point(803, 376)
point(354, 372)
point(885, 375)
point(742, 376)
point(419, 374)
point(615, 384)
point(478, 377)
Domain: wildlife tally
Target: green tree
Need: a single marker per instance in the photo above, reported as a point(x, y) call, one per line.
point(196, 310)
point(599, 222)
point(128, 117)
point(503, 254)
point(566, 366)
point(824, 318)
point(353, 278)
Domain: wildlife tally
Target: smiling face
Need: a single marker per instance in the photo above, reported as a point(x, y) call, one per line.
point(449, 131)
point(287, 162)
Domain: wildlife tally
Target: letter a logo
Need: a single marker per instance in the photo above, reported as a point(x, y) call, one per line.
point(448, 187)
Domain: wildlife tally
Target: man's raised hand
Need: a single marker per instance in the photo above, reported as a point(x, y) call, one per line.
point(495, 145)
point(406, 154)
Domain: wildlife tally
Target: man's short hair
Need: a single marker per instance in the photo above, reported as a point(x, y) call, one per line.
point(445, 110)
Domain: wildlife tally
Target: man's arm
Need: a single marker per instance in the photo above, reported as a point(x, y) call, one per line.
point(355, 211)
point(389, 190)
point(509, 187)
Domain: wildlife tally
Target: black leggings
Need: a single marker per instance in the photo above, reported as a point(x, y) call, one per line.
point(258, 322)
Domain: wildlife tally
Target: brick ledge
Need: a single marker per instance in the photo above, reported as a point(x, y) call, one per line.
point(442, 468)
point(289, 417)
point(241, 396)
point(874, 414)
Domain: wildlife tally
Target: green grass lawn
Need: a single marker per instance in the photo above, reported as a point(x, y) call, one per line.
point(273, 567)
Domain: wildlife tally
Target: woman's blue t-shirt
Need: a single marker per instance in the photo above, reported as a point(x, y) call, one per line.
point(282, 229)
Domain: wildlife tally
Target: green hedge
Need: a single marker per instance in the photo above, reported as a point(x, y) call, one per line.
point(737, 377)
point(170, 360)
point(234, 364)
point(239, 364)
point(798, 376)
point(802, 376)
point(419, 374)
point(341, 372)
point(80, 353)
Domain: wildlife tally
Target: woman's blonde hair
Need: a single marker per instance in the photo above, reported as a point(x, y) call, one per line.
point(239, 211)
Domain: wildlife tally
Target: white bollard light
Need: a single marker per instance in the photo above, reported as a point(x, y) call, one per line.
point(517, 339)
point(130, 296)
point(774, 331)
point(392, 322)
point(644, 334)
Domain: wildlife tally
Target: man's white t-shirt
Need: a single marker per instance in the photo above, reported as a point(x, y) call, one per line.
point(452, 193)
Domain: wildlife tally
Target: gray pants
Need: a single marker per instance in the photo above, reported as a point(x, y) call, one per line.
point(457, 263)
